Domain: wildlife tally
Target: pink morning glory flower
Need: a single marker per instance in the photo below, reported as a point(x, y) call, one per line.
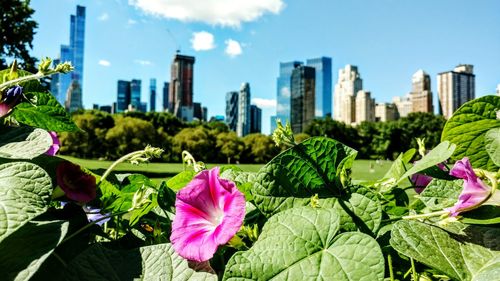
point(55, 144)
point(209, 212)
point(76, 184)
point(475, 191)
point(420, 181)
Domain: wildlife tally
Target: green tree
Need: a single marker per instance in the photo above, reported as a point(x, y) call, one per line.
point(17, 29)
point(230, 146)
point(259, 148)
point(334, 129)
point(198, 141)
point(129, 134)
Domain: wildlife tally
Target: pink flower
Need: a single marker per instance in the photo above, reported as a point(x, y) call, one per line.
point(474, 193)
point(76, 184)
point(55, 144)
point(209, 212)
point(421, 181)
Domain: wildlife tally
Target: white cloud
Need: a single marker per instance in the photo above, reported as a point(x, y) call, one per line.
point(131, 21)
point(233, 48)
point(285, 92)
point(103, 17)
point(143, 62)
point(202, 41)
point(264, 103)
point(104, 63)
point(216, 12)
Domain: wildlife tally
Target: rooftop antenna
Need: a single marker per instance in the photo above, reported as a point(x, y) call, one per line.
point(178, 50)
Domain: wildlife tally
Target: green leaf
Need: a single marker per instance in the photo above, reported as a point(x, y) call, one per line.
point(166, 197)
point(48, 114)
point(157, 262)
point(243, 180)
point(440, 194)
point(180, 180)
point(19, 261)
point(438, 155)
point(485, 214)
point(28, 86)
point(467, 129)
point(492, 145)
point(436, 248)
point(25, 191)
point(302, 244)
point(312, 167)
point(24, 143)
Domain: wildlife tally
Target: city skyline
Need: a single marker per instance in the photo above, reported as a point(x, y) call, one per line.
point(388, 40)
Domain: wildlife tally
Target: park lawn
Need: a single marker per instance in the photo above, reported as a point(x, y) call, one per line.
point(363, 170)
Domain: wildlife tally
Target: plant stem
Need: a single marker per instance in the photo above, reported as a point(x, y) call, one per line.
point(428, 215)
point(122, 159)
point(59, 259)
point(414, 273)
point(389, 261)
point(38, 75)
point(89, 225)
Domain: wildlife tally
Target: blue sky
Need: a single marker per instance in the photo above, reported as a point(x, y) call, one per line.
point(387, 39)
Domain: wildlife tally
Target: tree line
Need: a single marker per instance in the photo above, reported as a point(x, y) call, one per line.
point(106, 136)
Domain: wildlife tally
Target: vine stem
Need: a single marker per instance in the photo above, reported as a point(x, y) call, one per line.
point(38, 75)
point(122, 159)
point(389, 261)
point(413, 270)
point(428, 215)
point(91, 224)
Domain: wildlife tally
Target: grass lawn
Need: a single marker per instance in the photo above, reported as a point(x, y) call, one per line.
point(362, 169)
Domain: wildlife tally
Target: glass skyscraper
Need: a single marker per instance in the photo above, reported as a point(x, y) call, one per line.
point(74, 54)
point(152, 94)
point(123, 95)
point(135, 94)
point(284, 90)
point(323, 66)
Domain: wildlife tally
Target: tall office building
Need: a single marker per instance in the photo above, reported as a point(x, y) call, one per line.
point(73, 97)
point(365, 107)
point(284, 90)
point(232, 110)
point(302, 103)
point(385, 112)
point(323, 88)
point(135, 94)
point(404, 105)
point(243, 125)
point(181, 87)
point(348, 84)
point(166, 85)
point(455, 88)
point(421, 95)
point(255, 119)
point(152, 95)
point(123, 96)
point(74, 54)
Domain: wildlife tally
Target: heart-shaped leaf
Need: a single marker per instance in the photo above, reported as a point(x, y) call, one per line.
point(302, 243)
point(24, 143)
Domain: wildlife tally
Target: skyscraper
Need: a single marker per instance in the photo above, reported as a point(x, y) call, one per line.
point(421, 95)
point(348, 84)
point(365, 107)
point(232, 110)
point(455, 88)
point(243, 125)
point(283, 91)
point(135, 94)
point(73, 53)
point(181, 87)
point(385, 112)
point(166, 85)
point(152, 94)
point(302, 103)
point(404, 105)
point(73, 97)
point(123, 96)
point(255, 119)
point(323, 88)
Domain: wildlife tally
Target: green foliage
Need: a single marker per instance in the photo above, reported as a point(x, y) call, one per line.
point(467, 129)
point(229, 146)
point(146, 263)
point(197, 140)
point(18, 29)
point(24, 142)
point(440, 194)
point(438, 249)
point(492, 145)
point(129, 134)
point(180, 180)
point(304, 242)
point(259, 148)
